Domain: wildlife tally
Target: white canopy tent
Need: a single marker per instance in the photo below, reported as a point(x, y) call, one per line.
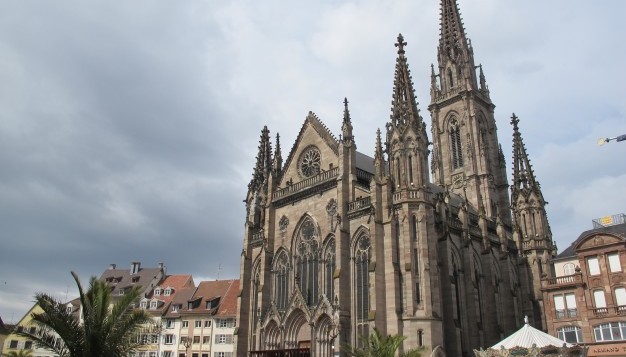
point(528, 341)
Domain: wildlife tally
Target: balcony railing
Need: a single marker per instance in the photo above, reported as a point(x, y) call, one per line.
point(566, 313)
point(575, 279)
point(600, 311)
point(311, 181)
point(359, 203)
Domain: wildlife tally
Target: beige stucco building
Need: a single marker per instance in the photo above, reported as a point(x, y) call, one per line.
point(338, 242)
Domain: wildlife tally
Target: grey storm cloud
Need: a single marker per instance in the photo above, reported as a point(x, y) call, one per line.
point(128, 130)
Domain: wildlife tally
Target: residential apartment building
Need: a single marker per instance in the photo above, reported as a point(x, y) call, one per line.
point(157, 303)
point(208, 320)
point(16, 343)
point(585, 301)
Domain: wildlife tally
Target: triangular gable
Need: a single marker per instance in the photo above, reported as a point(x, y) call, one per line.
point(311, 121)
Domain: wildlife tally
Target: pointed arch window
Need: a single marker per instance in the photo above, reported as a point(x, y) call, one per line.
point(361, 277)
point(281, 280)
point(457, 293)
point(307, 261)
point(479, 302)
point(329, 270)
point(450, 78)
point(455, 144)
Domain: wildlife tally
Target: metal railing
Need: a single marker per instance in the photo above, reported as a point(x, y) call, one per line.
point(311, 181)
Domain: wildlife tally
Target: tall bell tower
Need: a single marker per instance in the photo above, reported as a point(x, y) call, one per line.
point(467, 158)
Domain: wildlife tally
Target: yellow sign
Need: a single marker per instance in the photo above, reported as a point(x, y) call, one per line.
point(606, 220)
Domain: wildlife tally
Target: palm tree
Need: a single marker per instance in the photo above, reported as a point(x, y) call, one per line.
point(107, 329)
point(20, 353)
point(377, 345)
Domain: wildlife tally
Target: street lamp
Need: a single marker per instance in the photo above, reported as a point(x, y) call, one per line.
point(603, 141)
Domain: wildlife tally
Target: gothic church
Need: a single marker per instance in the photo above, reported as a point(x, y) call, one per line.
point(338, 242)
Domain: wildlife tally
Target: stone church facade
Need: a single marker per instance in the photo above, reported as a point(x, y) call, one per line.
point(338, 242)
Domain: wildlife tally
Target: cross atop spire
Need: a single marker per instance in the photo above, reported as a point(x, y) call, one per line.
point(404, 110)
point(400, 44)
point(514, 122)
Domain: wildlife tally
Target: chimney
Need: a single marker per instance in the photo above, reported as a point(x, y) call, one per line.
point(162, 267)
point(135, 267)
point(111, 266)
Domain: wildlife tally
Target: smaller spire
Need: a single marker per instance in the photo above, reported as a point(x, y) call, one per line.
point(434, 88)
point(483, 82)
point(346, 127)
point(378, 157)
point(277, 165)
point(400, 44)
point(263, 161)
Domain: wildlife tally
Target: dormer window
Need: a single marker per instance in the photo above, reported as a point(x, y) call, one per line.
point(175, 308)
point(121, 292)
point(68, 309)
point(168, 291)
point(153, 304)
point(211, 304)
point(135, 279)
point(157, 291)
point(143, 304)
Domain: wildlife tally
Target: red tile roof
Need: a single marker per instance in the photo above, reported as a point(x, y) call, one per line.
point(225, 290)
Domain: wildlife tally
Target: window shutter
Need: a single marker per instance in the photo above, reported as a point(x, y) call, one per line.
point(594, 267)
point(614, 263)
point(229, 339)
point(598, 298)
point(620, 296)
point(559, 304)
point(570, 300)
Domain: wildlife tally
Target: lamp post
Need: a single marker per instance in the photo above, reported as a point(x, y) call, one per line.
point(603, 141)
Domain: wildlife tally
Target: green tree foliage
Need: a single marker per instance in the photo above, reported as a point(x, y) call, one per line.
point(377, 345)
point(20, 353)
point(108, 328)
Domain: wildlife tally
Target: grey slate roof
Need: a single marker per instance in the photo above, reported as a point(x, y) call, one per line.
point(619, 229)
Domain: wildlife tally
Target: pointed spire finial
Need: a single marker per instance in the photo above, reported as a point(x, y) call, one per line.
point(346, 127)
point(514, 122)
point(277, 165)
point(400, 44)
point(378, 157)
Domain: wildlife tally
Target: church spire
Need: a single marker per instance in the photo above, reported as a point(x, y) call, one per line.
point(346, 127)
point(277, 164)
point(263, 161)
point(455, 55)
point(452, 33)
point(527, 200)
point(404, 110)
point(379, 160)
point(523, 175)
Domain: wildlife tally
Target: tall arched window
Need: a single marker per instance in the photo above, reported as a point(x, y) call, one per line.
point(457, 293)
point(455, 144)
point(281, 280)
point(307, 261)
point(361, 262)
point(479, 302)
point(450, 78)
point(256, 282)
point(329, 270)
point(361, 283)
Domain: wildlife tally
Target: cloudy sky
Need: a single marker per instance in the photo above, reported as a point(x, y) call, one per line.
point(129, 129)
